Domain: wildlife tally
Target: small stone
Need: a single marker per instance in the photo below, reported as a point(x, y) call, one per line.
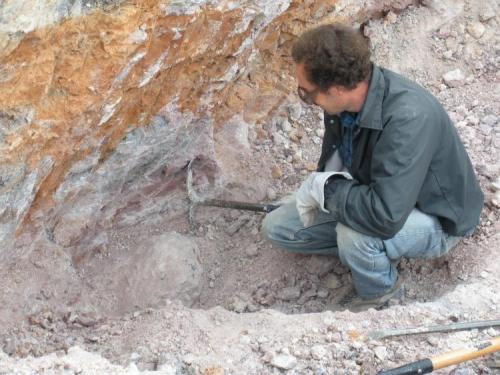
point(271, 194)
point(332, 281)
point(495, 185)
point(252, 250)
point(492, 332)
point(286, 126)
point(278, 139)
point(297, 157)
point(451, 44)
point(319, 265)
point(484, 274)
point(433, 341)
point(380, 352)
point(296, 135)
point(311, 167)
point(476, 29)
point(276, 172)
point(454, 78)
point(237, 304)
point(295, 111)
point(318, 352)
point(323, 293)
point(320, 132)
point(283, 361)
point(289, 293)
point(448, 54)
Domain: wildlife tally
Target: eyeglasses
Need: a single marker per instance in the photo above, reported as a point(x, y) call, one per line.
point(307, 96)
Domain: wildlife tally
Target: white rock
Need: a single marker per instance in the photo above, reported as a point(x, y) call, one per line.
point(138, 37)
point(318, 352)
point(495, 185)
point(380, 352)
point(283, 361)
point(286, 126)
point(295, 111)
point(454, 78)
point(448, 54)
point(476, 29)
point(496, 199)
point(271, 194)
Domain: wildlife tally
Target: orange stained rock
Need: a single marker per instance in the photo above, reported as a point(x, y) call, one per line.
point(90, 82)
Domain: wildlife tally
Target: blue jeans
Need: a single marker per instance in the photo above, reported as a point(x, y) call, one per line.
point(372, 261)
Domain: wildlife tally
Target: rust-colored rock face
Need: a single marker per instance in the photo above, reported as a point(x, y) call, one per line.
point(101, 108)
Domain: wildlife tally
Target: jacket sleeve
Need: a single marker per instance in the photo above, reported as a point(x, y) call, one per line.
point(400, 162)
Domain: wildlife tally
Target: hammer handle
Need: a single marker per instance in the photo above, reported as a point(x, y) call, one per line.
point(239, 205)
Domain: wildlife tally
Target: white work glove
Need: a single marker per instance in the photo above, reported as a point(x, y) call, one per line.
point(311, 195)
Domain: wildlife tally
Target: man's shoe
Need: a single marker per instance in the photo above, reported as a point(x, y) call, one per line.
point(358, 304)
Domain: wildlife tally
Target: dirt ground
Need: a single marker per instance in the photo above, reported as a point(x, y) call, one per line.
point(263, 311)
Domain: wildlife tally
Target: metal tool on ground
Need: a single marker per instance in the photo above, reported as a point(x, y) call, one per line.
point(377, 335)
point(197, 200)
point(427, 365)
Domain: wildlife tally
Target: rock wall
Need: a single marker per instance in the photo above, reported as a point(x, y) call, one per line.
point(103, 104)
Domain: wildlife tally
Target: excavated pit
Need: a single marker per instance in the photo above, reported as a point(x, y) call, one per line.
point(97, 247)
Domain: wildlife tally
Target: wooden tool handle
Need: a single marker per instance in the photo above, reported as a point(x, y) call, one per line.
point(462, 355)
point(427, 365)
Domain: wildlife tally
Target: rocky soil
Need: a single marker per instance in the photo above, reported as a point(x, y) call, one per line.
point(258, 310)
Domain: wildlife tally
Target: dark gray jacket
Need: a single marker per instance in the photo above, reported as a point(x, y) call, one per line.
point(407, 154)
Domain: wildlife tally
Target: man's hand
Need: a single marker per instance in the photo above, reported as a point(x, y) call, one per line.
point(311, 195)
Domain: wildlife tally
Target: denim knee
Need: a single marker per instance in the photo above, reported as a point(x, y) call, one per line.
point(267, 227)
point(350, 243)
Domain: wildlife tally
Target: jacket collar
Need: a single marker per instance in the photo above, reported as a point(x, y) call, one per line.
point(370, 115)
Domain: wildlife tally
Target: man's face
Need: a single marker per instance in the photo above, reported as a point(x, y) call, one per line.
point(331, 101)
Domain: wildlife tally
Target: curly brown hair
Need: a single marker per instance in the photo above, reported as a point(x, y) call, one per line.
point(333, 55)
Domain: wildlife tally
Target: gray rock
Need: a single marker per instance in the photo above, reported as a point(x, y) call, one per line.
point(318, 352)
point(319, 265)
point(166, 266)
point(289, 293)
point(238, 304)
point(283, 361)
point(252, 250)
point(323, 293)
point(454, 78)
point(295, 111)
